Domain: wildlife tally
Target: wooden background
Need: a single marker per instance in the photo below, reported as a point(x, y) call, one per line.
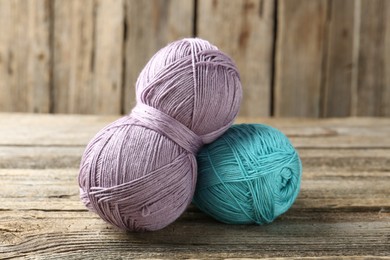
point(305, 58)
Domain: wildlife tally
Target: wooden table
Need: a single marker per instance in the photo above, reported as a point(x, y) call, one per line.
point(343, 208)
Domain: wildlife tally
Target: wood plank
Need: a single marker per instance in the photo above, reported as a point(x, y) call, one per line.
point(374, 59)
point(323, 189)
point(248, 39)
point(44, 189)
point(25, 56)
point(343, 208)
point(108, 57)
point(46, 157)
point(71, 235)
point(299, 57)
point(73, 130)
point(345, 159)
point(150, 25)
point(344, 213)
point(385, 104)
point(49, 129)
point(40, 157)
point(88, 38)
point(72, 56)
point(340, 61)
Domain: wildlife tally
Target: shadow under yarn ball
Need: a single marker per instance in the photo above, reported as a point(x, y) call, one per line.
point(251, 174)
point(139, 172)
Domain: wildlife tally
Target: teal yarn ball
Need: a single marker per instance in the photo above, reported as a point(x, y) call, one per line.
point(251, 174)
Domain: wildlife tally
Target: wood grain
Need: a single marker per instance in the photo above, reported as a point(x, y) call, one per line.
point(72, 56)
point(330, 66)
point(334, 214)
point(385, 102)
point(40, 157)
point(76, 234)
point(343, 209)
point(374, 59)
point(332, 58)
point(25, 56)
point(108, 57)
point(340, 60)
point(87, 67)
point(53, 156)
point(244, 30)
point(150, 25)
point(299, 51)
point(72, 130)
point(340, 190)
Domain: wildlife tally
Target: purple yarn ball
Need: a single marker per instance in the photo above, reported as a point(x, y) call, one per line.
point(139, 172)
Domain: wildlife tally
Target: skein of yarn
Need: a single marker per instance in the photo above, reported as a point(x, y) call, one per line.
point(251, 174)
point(139, 172)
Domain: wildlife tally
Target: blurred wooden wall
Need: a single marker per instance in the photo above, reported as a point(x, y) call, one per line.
point(305, 58)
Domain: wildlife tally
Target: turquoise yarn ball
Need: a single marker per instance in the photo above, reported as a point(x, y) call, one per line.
point(251, 174)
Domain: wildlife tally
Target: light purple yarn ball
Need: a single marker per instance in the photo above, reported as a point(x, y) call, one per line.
point(139, 173)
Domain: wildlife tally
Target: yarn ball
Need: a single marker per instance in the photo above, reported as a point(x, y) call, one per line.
point(250, 175)
point(139, 172)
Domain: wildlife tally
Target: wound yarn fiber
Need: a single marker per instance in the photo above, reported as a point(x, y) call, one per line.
point(251, 174)
point(139, 172)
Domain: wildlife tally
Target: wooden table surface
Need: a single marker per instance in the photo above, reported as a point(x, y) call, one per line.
point(343, 208)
